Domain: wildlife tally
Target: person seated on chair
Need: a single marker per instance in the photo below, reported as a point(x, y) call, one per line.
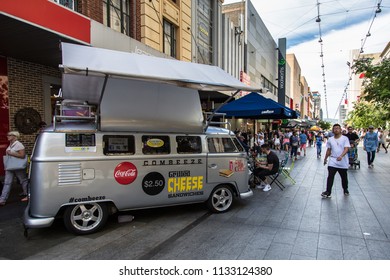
point(265, 169)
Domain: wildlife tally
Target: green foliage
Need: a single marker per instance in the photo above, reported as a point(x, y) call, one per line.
point(374, 105)
point(324, 125)
point(376, 82)
point(366, 113)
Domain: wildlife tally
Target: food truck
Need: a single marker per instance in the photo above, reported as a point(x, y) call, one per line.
point(130, 134)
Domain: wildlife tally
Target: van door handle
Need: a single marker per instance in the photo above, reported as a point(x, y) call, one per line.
point(213, 166)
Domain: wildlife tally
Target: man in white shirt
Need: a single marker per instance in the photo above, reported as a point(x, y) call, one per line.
point(337, 149)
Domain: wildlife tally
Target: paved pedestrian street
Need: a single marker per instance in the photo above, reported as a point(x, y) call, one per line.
point(298, 223)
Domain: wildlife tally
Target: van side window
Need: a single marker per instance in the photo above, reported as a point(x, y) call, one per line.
point(118, 144)
point(155, 145)
point(238, 144)
point(189, 144)
point(221, 145)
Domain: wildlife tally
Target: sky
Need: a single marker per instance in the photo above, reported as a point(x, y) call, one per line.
point(344, 26)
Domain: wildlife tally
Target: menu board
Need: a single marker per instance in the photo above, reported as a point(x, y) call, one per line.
point(118, 144)
point(80, 142)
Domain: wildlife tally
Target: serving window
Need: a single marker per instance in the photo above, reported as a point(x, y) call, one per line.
point(155, 145)
point(118, 144)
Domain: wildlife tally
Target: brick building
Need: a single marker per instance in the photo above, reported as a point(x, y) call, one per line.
point(30, 79)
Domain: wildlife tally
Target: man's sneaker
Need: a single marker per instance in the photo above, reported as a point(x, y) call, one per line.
point(267, 188)
point(346, 192)
point(261, 186)
point(326, 195)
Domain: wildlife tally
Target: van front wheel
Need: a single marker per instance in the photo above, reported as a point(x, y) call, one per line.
point(221, 199)
point(85, 218)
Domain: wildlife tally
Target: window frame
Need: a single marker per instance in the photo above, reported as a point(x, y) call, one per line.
point(191, 149)
point(172, 38)
point(218, 145)
point(122, 16)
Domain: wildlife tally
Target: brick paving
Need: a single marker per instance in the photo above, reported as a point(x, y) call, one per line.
point(298, 223)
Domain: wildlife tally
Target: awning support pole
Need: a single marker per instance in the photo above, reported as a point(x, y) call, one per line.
point(216, 111)
point(102, 93)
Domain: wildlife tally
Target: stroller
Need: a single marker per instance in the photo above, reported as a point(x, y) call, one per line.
point(354, 162)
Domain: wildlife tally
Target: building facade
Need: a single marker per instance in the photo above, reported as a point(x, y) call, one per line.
point(29, 57)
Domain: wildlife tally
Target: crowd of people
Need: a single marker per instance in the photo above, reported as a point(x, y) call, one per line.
point(340, 143)
point(340, 149)
point(293, 141)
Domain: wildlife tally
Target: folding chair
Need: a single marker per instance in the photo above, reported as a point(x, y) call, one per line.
point(274, 177)
point(286, 170)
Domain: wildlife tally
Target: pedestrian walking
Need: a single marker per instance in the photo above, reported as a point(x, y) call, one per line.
point(370, 145)
point(303, 141)
point(337, 149)
point(277, 142)
point(382, 135)
point(286, 141)
point(16, 150)
point(319, 140)
point(294, 142)
point(352, 136)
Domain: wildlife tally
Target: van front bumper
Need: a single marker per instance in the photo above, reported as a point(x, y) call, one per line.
point(245, 195)
point(33, 222)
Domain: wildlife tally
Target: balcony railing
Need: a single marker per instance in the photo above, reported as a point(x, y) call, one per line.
point(71, 4)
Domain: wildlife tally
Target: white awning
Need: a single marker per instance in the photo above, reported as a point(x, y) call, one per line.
point(85, 68)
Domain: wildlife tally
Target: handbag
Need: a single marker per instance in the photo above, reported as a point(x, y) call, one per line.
point(13, 163)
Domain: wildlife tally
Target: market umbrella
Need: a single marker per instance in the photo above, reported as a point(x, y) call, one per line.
point(315, 128)
point(256, 106)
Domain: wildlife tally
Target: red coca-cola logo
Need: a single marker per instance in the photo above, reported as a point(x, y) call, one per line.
point(125, 173)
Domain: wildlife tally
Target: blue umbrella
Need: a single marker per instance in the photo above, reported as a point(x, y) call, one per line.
point(256, 106)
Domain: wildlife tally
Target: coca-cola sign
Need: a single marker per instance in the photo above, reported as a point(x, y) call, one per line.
point(125, 173)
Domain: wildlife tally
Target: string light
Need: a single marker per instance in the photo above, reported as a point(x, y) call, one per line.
point(318, 20)
point(368, 34)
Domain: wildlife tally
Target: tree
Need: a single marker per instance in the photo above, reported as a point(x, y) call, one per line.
point(376, 82)
point(324, 125)
point(365, 114)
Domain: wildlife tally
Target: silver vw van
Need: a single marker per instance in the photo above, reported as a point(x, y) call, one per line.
point(131, 142)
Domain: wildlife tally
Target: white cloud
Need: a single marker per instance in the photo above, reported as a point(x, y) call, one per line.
point(344, 23)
